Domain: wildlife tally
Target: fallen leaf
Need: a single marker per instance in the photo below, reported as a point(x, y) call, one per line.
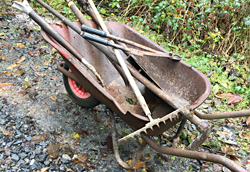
point(224, 95)
point(53, 150)
point(41, 73)
point(75, 135)
point(54, 78)
point(10, 67)
point(139, 164)
point(217, 167)
point(6, 44)
point(20, 60)
point(216, 89)
point(30, 53)
point(53, 97)
point(2, 57)
point(105, 156)
point(247, 136)
point(45, 169)
point(20, 45)
point(18, 72)
point(223, 149)
point(234, 99)
point(81, 159)
point(47, 62)
point(38, 138)
point(248, 121)
point(233, 157)
point(5, 85)
point(6, 73)
point(26, 84)
point(82, 133)
point(205, 165)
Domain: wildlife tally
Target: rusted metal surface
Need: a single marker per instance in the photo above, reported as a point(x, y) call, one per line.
point(194, 155)
point(137, 154)
point(206, 130)
point(222, 115)
point(177, 78)
point(67, 73)
point(109, 74)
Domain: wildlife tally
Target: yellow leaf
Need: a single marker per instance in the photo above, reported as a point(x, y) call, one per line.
point(75, 135)
point(20, 45)
point(10, 67)
point(47, 62)
point(20, 60)
point(139, 164)
point(2, 57)
point(41, 73)
point(53, 98)
point(26, 79)
point(5, 84)
point(6, 73)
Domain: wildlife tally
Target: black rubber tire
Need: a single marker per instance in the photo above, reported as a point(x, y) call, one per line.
point(89, 102)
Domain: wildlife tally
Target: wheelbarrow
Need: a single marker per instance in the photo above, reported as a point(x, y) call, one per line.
point(172, 89)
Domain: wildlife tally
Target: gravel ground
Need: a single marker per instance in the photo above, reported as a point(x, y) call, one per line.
point(41, 128)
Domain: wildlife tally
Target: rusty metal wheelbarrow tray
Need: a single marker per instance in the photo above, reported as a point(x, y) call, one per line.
point(184, 83)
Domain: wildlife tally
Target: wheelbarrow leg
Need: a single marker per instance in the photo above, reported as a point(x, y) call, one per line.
point(137, 155)
point(193, 154)
point(203, 127)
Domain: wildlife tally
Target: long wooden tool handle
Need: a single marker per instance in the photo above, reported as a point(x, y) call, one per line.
point(131, 80)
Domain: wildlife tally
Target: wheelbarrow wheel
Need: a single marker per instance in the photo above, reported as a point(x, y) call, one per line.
point(77, 92)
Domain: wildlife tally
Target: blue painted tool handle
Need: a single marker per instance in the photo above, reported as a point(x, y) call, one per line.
point(96, 39)
point(94, 31)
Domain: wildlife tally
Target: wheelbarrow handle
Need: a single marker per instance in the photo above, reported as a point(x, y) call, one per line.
point(94, 31)
point(95, 39)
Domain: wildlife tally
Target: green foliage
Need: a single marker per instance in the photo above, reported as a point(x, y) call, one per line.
point(208, 25)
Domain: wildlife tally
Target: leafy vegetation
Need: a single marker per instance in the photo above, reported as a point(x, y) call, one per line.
point(212, 36)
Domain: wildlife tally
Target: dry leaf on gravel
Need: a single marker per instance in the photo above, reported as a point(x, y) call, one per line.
point(234, 99)
point(5, 85)
point(75, 135)
point(52, 98)
point(10, 67)
point(18, 72)
point(20, 60)
point(53, 150)
point(38, 138)
point(6, 73)
point(45, 169)
point(6, 44)
point(81, 159)
point(217, 167)
point(139, 164)
point(20, 45)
